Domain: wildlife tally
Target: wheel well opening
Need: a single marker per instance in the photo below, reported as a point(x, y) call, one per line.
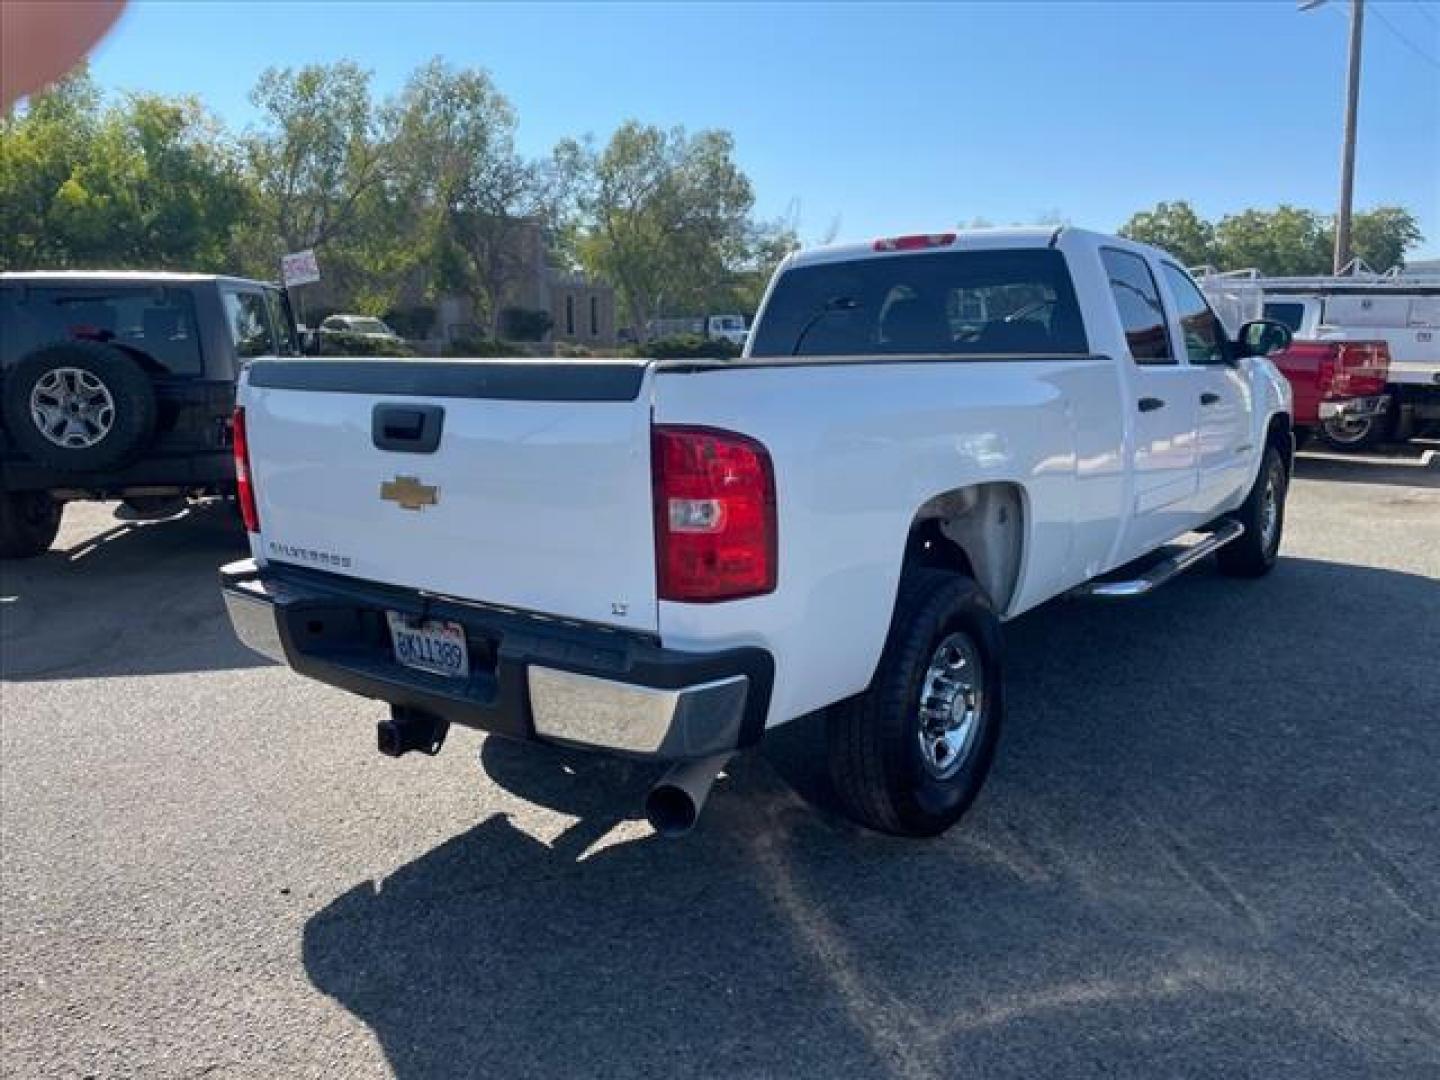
point(977, 531)
point(1278, 434)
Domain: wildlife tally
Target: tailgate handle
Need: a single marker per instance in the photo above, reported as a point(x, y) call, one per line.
point(407, 429)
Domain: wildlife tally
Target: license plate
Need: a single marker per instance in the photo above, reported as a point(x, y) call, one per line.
point(430, 645)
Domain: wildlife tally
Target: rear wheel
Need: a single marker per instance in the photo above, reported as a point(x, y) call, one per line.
point(909, 755)
point(1342, 433)
point(29, 521)
point(1263, 515)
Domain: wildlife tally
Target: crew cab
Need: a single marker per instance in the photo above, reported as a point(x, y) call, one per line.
point(925, 437)
point(121, 385)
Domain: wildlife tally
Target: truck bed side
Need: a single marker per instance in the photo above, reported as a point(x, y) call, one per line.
point(859, 448)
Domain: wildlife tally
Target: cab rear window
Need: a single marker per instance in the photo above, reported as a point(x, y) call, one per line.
point(158, 322)
point(953, 303)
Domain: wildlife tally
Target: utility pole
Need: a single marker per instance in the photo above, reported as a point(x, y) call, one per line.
point(1347, 152)
point(1347, 147)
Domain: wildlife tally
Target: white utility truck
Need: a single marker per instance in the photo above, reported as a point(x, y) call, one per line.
point(926, 436)
point(729, 328)
point(1400, 310)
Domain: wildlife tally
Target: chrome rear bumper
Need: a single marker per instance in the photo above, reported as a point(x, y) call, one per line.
point(581, 686)
point(1355, 408)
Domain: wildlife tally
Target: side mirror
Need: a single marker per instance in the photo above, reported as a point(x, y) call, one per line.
point(1262, 337)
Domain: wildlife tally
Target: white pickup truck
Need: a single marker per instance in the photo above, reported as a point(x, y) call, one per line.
point(927, 436)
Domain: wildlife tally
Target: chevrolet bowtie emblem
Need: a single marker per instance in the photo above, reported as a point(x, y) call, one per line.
point(409, 492)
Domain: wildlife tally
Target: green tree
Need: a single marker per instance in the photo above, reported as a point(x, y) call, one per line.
point(768, 243)
point(40, 149)
point(1174, 227)
point(148, 182)
point(1284, 241)
point(319, 165)
point(482, 210)
point(1382, 236)
point(668, 218)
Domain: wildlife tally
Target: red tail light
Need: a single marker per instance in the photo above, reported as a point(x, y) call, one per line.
point(244, 486)
point(1362, 368)
point(715, 535)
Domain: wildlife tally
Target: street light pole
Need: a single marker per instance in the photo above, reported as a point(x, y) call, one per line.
point(1347, 151)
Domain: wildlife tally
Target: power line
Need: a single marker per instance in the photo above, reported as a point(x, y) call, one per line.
point(1424, 11)
point(1404, 38)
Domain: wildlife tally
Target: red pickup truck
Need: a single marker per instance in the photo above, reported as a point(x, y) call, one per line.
point(1339, 388)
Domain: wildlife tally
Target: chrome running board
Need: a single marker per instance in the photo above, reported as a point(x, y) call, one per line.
point(1165, 569)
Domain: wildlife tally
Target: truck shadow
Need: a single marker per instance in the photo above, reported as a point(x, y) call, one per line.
point(128, 599)
point(1208, 846)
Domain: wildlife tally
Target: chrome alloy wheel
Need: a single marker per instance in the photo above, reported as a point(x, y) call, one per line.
point(952, 697)
point(72, 407)
point(1348, 430)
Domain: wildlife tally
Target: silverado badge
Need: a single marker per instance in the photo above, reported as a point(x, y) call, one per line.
point(409, 492)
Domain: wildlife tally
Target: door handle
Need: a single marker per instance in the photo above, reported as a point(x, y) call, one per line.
point(1150, 404)
point(1209, 398)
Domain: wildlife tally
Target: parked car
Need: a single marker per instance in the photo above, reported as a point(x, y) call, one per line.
point(1403, 314)
point(121, 386)
point(927, 436)
point(362, 325)
point(1339, 387)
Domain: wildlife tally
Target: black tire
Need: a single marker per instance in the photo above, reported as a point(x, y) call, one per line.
point(29, 521)
point(877, 764)
point(1357, 434)
point(1255, 552)
point(118, 436)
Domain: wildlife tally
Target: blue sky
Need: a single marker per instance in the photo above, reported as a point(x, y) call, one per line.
point(897, 117)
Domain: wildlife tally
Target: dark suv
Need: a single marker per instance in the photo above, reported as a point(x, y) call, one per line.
point(121, 386)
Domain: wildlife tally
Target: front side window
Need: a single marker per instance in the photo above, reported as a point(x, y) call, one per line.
point(1204, 334)
point(249, 324)
point(953, 303)
point(1137, 300)
point(156, 321)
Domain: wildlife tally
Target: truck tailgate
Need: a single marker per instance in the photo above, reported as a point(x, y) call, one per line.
point(535, 496)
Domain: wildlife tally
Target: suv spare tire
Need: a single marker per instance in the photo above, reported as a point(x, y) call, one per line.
point(79, 406)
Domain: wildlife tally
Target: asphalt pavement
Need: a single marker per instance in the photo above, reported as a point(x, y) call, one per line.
point(1210, 847)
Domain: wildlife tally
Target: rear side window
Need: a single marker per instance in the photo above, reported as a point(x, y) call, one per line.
point(156, 322)
point(1292, 315)
point(249, 324)
point(950, 302)
point(1203, 332)
point(1137, 300)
